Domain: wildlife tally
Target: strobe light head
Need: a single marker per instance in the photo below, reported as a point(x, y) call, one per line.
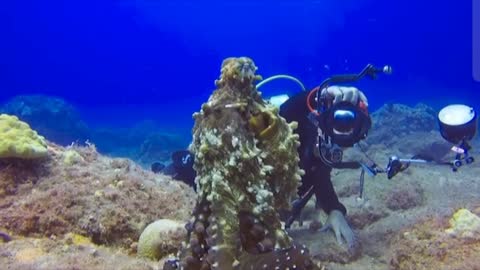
point(457, 123)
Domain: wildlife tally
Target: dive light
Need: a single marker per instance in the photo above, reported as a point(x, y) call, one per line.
point(457, 123)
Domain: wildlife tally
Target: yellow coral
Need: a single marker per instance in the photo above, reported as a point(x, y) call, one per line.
point(18, 140)
point(78, 240)
point(71, 157)
point(464, 223)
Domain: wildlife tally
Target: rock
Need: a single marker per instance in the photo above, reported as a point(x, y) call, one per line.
point(426, 245)
point(328, 250)
point(405, 196)
point(161, 238)
point(365, 216)
point(71, 157)
point(46, 254)
point(394, 122)
point(98, 197)
point(464, 224)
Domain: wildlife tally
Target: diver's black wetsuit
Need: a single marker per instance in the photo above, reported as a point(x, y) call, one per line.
point(317, 173)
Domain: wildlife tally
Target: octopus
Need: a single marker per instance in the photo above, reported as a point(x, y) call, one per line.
point(247, 168)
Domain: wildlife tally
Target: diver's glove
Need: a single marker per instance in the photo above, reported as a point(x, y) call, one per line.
point(336, 221)
point(345, 93)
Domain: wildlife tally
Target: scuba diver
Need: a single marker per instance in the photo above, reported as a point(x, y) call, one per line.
point(181, 168)
point(329, 118)
point(332, 118)
point(317, 179)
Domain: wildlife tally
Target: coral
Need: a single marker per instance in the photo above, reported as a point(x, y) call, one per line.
point(405, 196)
point(161, 238)
point(71, 157)
point(247, 169)
point(109, 201)
point(464, 223)
point(18, 140)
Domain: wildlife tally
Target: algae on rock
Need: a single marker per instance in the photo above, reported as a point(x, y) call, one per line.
point(160, 238)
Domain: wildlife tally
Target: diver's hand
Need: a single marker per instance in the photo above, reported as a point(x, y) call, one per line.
point(337, 222)
point(344, 93)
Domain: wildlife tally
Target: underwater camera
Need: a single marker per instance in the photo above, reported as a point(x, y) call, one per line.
point(343, 124)
point(458, 125)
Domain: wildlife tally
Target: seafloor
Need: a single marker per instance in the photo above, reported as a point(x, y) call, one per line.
point(87, 211)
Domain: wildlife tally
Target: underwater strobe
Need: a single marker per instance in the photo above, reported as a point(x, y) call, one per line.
point(458, 125)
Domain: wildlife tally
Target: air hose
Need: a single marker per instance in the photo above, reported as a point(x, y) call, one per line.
point(281, 76)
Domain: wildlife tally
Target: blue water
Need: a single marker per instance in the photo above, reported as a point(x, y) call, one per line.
point(120, 62)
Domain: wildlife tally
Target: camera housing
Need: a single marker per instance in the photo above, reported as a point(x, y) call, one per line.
point(345, 124)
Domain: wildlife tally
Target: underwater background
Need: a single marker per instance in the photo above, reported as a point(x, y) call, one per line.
point(121, 62)
point(104, 90)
